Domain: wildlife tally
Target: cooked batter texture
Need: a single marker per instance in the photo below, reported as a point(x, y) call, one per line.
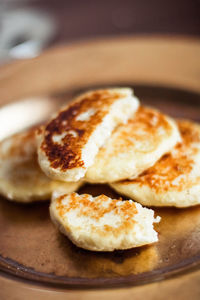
point(101, 223)
point(175, 179)
point(134, 147)
point(21, 178)
point(71, 140)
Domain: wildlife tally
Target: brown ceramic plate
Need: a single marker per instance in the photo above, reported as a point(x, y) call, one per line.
point(31, 248)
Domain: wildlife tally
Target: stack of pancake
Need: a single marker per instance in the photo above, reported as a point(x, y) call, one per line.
point(105, 136)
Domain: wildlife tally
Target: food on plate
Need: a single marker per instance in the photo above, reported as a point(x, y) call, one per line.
point(175, 179)
point(101, 223)
point(21, 178)
point(134, 147)
point(71, 140)
point(105, 136)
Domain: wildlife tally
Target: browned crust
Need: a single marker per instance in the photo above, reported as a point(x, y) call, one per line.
point(160, 177)
point(68, 154)
point(143, 120)
point(96, 210)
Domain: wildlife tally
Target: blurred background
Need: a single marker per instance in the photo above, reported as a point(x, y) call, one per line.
point(29, 26)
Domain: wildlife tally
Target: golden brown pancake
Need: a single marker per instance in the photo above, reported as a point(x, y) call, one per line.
point(175, 179)
point(101, 223)
point(72, 139)
point(134, 147)
point(21, 178)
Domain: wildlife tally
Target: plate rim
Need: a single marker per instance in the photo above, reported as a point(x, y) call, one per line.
point(189, 265)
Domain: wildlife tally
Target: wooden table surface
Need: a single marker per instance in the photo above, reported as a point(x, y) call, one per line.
point(153, 60)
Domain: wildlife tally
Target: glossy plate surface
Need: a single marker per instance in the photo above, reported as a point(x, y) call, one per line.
point(31, 247)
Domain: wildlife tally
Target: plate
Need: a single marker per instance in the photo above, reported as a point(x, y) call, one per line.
point(32, 249)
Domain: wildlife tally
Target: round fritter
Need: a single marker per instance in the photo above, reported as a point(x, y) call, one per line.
point(134, 147)
point(21, 178)
point(175, 179)
point(101, 223)
point(71, 140)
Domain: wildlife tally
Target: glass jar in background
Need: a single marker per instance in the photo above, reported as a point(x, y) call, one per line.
point(24, 30)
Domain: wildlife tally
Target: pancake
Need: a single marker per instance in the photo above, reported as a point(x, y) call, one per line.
point(101, 223)
point(175, 179)
point(71, 140)
point(134, 147)
point(21, 178)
